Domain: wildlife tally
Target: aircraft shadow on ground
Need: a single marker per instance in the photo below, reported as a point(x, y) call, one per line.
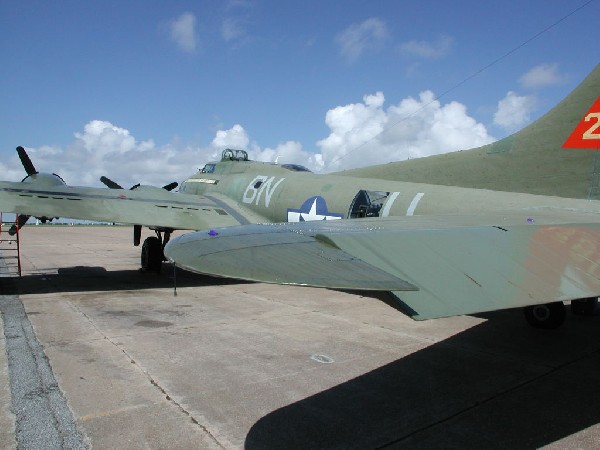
point(499, 384)
point(92, 278)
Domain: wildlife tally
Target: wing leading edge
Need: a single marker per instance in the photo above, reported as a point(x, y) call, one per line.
point(443, 266)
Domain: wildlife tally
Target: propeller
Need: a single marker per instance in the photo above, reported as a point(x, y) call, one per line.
point(40, 179)
point(30, 170)
point(21, 221)
point(110, 183)
point(137, 229)
point(114, 185)
point(169, 187)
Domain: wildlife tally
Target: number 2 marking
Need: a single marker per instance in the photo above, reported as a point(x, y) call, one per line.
point(590, 133)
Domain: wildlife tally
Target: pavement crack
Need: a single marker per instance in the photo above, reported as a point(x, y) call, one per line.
point(183, 410)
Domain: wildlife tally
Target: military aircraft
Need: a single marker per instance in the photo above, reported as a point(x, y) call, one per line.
point(445, 245)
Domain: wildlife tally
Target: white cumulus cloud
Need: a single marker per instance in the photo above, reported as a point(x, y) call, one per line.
point(366, 133)
point(541, 76)
point(236, 137)
point(514, 110)
point(357, 39)
point(183, 32)
point(360, 134)
point(102, 148)
point(289, 152)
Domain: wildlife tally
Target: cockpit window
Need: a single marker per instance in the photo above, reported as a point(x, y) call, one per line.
point(208, 168)
point(295, 167)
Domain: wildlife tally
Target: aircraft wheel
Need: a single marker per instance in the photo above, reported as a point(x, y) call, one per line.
point(584, 306)
point(548, 316)
point(152, 254)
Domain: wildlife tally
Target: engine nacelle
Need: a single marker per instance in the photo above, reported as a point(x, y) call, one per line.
point(44, 180)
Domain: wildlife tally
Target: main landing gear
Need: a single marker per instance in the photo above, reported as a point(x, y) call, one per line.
point(548, 316)
point(552, 315)
point(152, 251)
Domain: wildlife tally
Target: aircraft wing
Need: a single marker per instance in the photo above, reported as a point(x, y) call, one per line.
point(148, 206)
point(436, 266)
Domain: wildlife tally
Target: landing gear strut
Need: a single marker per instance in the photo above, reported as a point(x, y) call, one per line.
point(152, 251)
point(548, 316)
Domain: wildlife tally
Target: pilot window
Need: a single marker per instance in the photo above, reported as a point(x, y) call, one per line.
point(208, 168)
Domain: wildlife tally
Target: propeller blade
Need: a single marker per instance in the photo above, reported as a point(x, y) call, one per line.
point(171, 186)
point(27, 164)
point(110, 183)
point(20, 222)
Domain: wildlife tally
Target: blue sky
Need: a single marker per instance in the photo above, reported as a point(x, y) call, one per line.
point(150, 90)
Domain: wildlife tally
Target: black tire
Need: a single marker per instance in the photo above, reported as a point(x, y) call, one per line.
point(548, 316)
point(152, 255)
point(584, 306)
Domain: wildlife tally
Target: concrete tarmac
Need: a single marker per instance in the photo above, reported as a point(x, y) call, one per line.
point(226, 364)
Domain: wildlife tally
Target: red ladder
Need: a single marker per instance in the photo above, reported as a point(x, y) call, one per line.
point(10, 250)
